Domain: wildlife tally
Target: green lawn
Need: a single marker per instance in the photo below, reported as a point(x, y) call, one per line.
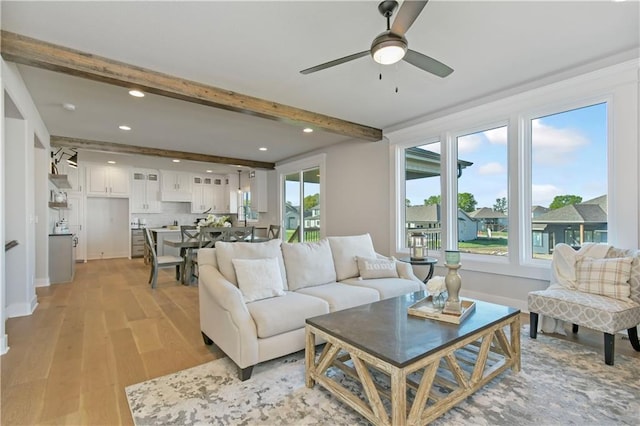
point(483, 245)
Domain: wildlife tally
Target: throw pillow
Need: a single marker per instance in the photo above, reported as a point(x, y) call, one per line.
point(258, 278)
point(225, 252)
point(607, 277)
point(345, 250)
point(371, 268)
point(634, 278)
point(308, 264)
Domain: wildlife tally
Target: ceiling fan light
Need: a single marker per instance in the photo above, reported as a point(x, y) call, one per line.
point(390, 54)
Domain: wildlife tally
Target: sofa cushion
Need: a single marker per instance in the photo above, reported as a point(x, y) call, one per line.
point(345, 250)
point(387, 287)
point(342, 296)
point(268, 315)
point(226, 251)
point(607, 277)
point(308, 264)
point(374, 267)
point(258, 278)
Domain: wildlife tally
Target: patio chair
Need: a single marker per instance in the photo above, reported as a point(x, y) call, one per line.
point(158, 262)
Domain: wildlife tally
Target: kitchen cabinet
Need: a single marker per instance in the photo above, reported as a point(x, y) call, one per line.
point(258, 190)
point(137, 243)
point(107, 181)
point(207, 192)
point(145, 191)
point(74, 215)
point(231, 195)
point(62, 262)
point(176, 186)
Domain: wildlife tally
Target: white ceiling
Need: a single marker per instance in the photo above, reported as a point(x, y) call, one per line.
point(258, 49)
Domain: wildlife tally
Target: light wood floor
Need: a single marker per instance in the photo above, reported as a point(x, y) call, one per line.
point(70, 361)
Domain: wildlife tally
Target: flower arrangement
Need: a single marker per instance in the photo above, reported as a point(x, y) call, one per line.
point(436, 285)
point(214, 221)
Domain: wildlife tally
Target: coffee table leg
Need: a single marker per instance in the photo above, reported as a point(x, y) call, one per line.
point(309, 357)
point(398, 398)
point(515, 342)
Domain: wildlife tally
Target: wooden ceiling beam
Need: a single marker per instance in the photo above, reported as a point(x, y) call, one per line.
point(89, 145)
point(37, 53)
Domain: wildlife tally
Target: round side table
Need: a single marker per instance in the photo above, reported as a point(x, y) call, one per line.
point(431, 261)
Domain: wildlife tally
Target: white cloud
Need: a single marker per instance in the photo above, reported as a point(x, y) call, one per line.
point(493, 168)
point(469, 143)
point(542, 195)
point(554, 146)
point(497, 136)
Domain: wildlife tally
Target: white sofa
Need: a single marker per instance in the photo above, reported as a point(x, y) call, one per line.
point(255, 297)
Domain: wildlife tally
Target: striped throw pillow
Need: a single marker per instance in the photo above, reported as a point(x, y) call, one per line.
point(607, 277)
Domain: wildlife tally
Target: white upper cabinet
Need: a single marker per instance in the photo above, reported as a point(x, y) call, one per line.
point(231, 195)
point(145, 191)
point(107, 181)
point(74, 176)
point(207, 194)
point(258, 189)
point(176, 186)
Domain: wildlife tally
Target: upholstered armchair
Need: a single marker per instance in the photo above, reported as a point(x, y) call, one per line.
point(597, 287)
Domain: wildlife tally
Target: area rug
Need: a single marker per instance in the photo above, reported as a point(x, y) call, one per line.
point(560, 383)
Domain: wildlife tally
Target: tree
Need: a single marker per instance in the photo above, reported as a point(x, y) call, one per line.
point(466, 202)
point(500, 205)
point(407, 202)
point(311, 201)
point(564, 200)
point(434, 199)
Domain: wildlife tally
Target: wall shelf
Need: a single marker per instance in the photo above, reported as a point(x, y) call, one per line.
point(55, 205)
point(60, 181)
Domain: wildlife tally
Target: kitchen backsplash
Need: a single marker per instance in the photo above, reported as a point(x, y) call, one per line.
point(171, 212)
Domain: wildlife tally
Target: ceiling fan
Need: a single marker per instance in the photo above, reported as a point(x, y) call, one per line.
point(391, 46)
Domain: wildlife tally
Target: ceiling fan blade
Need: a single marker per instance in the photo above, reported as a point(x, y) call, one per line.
point(335, 62)
point(427, 63)
point(407, 14)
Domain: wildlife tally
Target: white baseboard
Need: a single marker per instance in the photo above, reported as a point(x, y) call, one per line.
point(492, 298)
point(21, 309)
point(4, 345)
point(42, 282)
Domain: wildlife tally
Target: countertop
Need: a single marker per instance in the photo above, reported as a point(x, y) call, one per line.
point(66, 234)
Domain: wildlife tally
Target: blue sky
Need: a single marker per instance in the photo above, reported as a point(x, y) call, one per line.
point(569, 157)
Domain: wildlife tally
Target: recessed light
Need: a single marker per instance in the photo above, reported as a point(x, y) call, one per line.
point(175, 160)
point(136, 93)
point(124, 127)
point(307, 130)
point(111, 162)
point(262, 148)
point(209, 171)
point(68, 106)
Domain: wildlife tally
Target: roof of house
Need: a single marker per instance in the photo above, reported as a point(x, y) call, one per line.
point(590, 211)
point(487, 213)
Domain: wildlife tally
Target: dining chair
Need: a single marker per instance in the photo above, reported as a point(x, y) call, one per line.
point(240, 234)
point(158, 262)
point(189, 233)
point(211, 235)
point(273, 232)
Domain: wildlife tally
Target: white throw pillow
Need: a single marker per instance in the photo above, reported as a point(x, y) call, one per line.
point(258, 278)
point(308, 264)
point(345, 250)
point(226, 251)
point(372, 267)
point(607, 277)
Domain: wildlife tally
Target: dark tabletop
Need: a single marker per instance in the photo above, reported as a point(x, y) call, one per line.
point(425, 261)
point(386, 330)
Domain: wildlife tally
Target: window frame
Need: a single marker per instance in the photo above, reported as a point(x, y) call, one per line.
point(611, 85)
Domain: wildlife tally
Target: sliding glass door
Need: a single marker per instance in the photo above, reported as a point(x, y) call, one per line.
point(301, 209)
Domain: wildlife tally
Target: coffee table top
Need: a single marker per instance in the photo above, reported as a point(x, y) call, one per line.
point(385, 329)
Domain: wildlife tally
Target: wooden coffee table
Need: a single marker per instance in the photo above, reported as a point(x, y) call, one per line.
point(426, 366)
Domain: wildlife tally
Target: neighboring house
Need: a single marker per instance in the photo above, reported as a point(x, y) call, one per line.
point(291, 217)
point(313, 218)
point(575, 225)
point(538, 210)
point(490, 219)
point(421, 163)
point(427, 219)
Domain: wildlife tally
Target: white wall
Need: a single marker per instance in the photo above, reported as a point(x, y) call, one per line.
point(14, 87)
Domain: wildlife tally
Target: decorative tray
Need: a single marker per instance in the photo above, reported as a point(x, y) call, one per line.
point(424, 308)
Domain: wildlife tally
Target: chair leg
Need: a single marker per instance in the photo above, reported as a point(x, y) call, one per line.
point(177, 272)
point(155, 278)
point(533, 324)
point(609, 348)
point(151, 275)
point(633, 337)
point(574, 329)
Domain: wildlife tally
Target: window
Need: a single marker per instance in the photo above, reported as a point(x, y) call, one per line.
point(569, 178)
point(483, 225)
point(422, 189)
point(301, 204)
